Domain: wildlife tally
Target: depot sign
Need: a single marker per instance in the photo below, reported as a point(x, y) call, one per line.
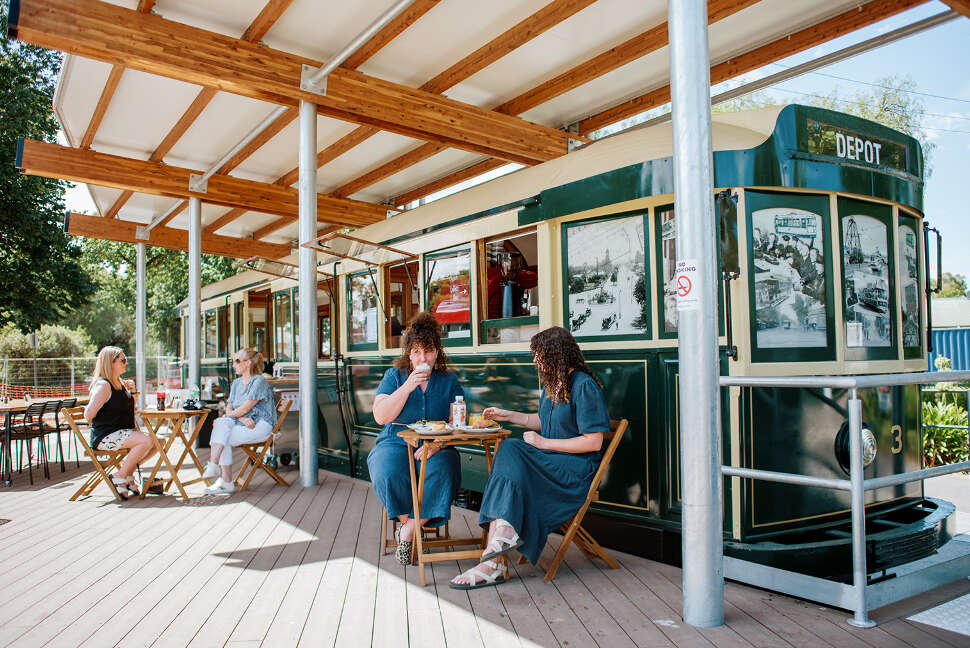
point(854, 148)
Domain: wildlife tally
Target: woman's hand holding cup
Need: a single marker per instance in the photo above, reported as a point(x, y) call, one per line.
point(419, 376)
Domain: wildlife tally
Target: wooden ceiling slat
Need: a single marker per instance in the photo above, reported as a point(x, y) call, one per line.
point(410, 158)
point(99, 111)
point(152, 44)
point(959, 6)
point(62, 162)
point(270, 13)
point(450, 180)
point(175, 239)
point(390, 31)
point(844, 23)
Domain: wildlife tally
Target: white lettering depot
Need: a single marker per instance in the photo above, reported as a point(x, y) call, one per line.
point(853, 148)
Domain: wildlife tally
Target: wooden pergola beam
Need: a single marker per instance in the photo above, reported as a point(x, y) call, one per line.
point(846, 22)
point(152, 44)
point(55, 161)
point(171, 238)
point(270, 13)
point(959, 6)
point(634, 48)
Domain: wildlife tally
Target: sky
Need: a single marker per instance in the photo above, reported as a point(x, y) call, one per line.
point(932, 59)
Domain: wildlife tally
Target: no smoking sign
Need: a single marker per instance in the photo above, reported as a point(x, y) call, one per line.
point(685, 276)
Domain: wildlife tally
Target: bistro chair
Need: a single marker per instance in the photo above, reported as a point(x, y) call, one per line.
point(256, 452)
point(104, 461)
point(31, 428)
point(50, 424)
point(62, 426)
point(573, 531)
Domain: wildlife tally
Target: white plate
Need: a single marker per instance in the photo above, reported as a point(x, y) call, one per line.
point(471, 428)
point(424, 429)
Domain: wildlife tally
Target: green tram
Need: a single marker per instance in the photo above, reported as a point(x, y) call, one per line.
point(824, 258)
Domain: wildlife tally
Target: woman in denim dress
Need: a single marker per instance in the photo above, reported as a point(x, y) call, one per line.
point(418, 387)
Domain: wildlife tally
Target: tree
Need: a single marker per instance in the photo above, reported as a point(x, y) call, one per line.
point(40, 275)
point(954, 285)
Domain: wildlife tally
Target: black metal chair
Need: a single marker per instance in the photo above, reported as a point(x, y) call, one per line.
point(50, 423)
point(62, 426)
point(31, 428)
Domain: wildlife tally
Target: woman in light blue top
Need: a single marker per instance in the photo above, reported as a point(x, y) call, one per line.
point(250, 418)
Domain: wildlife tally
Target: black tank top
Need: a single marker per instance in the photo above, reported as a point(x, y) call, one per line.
point(118, 413)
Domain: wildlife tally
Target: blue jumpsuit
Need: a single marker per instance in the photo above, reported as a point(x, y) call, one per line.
point(537, 490)
point(387, 462)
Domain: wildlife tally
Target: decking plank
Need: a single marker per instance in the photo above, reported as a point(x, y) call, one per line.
point(915, 635)
point(261, 612)
point(291, 617)
point(390, 607)
point(357, 619)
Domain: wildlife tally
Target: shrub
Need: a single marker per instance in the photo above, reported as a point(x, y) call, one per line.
point(944, 445)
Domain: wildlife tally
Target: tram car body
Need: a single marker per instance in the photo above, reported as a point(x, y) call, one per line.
point(821, 239)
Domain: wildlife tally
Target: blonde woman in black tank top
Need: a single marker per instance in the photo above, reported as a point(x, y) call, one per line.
point(111, 413)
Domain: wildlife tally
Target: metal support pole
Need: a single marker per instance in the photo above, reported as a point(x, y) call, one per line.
point(141, 296)
point(193, 347)
point(308, 294)
point(700, 455)
point(861, 618)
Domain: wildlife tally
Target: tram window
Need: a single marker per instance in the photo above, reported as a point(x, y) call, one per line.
point(210, 330)
point(403, 302)
point(509, 278)
point(237, 327)
point(788, 239)
point(282, 328)
point(605, 277)
point(222, 315)
point(326, 311)
point(363, 310)
point(448, 293)
point(909, 286)
point(667, 236)
point(257, 321)
point(867, 278)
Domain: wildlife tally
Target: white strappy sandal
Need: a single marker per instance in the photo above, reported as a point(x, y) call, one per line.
point(495, 547)
point(480, 578)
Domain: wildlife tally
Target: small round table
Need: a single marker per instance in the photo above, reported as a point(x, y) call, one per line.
point(489, 439)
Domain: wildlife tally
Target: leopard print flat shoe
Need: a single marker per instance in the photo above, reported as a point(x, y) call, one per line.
point(404, 549)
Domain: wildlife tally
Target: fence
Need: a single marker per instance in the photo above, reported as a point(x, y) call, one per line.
point(54, 377)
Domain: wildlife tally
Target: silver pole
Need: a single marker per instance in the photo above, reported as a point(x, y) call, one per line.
point(308, 294)
point(141, 296)
point(700, 456)
point(194, 346)
point(860, 619)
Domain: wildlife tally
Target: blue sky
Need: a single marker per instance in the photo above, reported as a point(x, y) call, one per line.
point(934, 61)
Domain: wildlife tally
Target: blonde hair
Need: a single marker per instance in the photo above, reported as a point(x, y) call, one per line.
point(102, 366)
point(256, 358)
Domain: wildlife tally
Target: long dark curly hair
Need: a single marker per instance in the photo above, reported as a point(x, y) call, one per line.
point(424, 332)
point(557, 355)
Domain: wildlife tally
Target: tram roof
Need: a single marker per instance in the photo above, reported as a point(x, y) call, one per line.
point(154, 89)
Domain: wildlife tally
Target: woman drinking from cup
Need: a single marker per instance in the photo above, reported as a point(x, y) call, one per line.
point(111, 412)
point(540, 481)
point(418, 387)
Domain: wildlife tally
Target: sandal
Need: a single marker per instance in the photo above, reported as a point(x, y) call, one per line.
point(132, 486)
point(496, 577)
point(404, 548)
point(121, 485)
point(495, 548)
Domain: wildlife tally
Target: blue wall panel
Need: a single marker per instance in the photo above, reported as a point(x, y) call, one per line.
point(953, 344)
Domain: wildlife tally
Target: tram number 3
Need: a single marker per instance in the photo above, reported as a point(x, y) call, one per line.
point(897, 432)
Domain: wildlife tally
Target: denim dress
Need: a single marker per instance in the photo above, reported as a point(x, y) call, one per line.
point(536, 490)
point(387, 462)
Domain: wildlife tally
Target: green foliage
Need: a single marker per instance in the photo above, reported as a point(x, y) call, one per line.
point(40, 276)
point(944, 445)
point(954, 285)
point(52, 342)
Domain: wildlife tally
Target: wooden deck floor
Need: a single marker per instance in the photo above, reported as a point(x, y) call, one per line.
point(301, 567)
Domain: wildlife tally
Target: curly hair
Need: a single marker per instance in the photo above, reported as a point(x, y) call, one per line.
point(556, 350)
point(424, 332)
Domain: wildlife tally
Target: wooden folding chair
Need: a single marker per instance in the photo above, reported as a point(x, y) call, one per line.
point(104, 461)
point(256, 452)
point(573, 531)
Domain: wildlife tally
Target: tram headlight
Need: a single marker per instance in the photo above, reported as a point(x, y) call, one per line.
point(869, 447)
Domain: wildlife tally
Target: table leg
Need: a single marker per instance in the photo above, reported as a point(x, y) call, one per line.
point(153, 435)
point(189, 451)
point(7, 458)
point(177, 432)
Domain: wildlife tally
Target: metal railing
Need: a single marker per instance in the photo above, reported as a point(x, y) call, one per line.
point(857, 485)
point(67, 376)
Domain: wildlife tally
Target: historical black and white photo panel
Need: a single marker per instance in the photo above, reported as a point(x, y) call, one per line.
point(865, 263)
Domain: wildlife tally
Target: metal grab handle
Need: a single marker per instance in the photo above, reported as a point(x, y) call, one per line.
point(728, 277)
point(930, 291)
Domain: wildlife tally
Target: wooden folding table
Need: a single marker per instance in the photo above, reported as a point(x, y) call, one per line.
point(174, 420)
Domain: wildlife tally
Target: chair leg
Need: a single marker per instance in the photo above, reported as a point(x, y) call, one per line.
point(383, 531)
point(561, 553)
point(597, 549)
point(60, 450)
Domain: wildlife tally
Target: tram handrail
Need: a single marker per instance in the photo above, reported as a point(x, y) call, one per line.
point(857, 485)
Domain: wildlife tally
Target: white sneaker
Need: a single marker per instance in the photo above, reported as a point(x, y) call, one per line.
point(220, 488)
point(211, 471)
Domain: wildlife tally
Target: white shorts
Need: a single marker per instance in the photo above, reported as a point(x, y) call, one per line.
point(115, 440)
